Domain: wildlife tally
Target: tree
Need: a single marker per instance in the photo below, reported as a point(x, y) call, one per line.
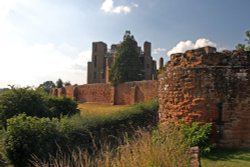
point(127, 65)
point(21, 100)
point(33, 103)
point(245, 47)
point(59, 83)
point(46, 86)
point(67, 83)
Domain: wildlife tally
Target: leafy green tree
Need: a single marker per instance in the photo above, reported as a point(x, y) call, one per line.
point(67, 83)
point(240, 46)
point(245, 47)
point(59, 83)
point(127, 65)
point(46, 86)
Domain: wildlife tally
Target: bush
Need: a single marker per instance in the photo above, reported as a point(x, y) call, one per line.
point(61, 106)
point(33, 103)
point(27, 136)
point(16, 101)
point(3, 157)
point(165, 148)
point(198, 135)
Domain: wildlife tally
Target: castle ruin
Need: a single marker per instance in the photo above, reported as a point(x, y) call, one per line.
point(102, 59)
point(203, 85)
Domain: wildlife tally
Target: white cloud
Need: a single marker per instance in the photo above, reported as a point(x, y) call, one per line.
point(108, 7)
point(158, 50)
point(32, 65)
point(26, 62)
point(183, 46)
point(7, 6)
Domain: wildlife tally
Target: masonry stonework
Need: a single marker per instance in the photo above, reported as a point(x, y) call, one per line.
point(103, 58)
point(206, 86)
point(135, 92)
point(123, 94)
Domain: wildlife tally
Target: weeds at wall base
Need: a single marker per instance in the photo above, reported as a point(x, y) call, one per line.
point(146, 150)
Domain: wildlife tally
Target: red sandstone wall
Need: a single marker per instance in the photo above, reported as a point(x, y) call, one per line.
point(69, 91)
point(61, 91)
point(213, 88)
point(134, 92)
point(98, 93)
point(146, 91)
point(123, 94)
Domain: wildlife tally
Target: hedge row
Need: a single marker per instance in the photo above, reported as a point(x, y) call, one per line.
point(27, 136)
point(33, 103)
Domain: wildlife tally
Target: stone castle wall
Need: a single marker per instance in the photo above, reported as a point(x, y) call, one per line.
point(206, 86)
point(123, 94)
point(98, 93)
point(134, 92)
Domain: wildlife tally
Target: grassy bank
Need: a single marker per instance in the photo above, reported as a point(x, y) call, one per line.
point(162, 148)
point(227, 158)
point(99, 108)
point(27, 136)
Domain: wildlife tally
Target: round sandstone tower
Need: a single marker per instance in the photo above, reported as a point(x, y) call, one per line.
point(203, 85)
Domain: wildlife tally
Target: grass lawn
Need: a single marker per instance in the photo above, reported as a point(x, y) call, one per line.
point(99, 108)
point(227, 158)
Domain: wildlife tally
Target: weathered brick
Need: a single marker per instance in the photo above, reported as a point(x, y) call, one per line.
point(207, 86)
point(123, 94)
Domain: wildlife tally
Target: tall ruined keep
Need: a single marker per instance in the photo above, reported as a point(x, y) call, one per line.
point(207, 86)
point(102, 59)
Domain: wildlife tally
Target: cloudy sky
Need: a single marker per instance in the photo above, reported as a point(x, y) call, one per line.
point(44, 40)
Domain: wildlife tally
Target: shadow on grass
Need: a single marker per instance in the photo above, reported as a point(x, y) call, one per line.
point(228, 154)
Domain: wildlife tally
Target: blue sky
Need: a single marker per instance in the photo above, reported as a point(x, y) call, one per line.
point(44, 40)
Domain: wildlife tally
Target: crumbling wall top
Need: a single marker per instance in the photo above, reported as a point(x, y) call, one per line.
point(208, 56)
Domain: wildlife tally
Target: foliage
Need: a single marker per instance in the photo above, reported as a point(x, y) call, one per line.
point(16, 101)
point(67, 83)
point(245, 47)
point(139, 151)
point(59, 83)
point(127, 66)
point(33, 103)
point(47, 86)
point(198, 135)
point(240, 46)
point(61, 106)
point(3, 157)
point(27, 136)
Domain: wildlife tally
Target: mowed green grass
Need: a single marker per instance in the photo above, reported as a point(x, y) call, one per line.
point(227, 158)
point(99, 108)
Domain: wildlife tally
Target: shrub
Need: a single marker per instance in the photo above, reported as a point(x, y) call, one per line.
point(165, 148)
point(61, 106)
point(27, 136)
point(33, 103)
point(3, 157)
point(16, 101)
point(198, 135)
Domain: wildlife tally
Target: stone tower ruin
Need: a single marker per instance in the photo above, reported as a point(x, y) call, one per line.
point(207, 86)
point(102, 59)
